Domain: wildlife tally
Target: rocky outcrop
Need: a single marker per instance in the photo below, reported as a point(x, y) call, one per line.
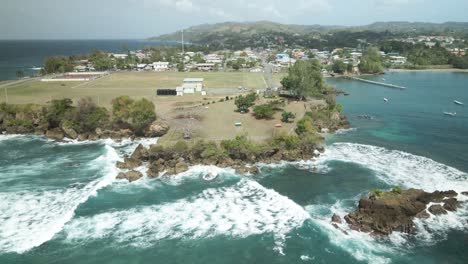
point(383, 213)
point(70, 132)
point(131, 176)
point(140, 153)
point(55, 134)
point(129, 163)
point(157, 129)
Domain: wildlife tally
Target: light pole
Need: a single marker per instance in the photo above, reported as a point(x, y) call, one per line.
point(6, 95)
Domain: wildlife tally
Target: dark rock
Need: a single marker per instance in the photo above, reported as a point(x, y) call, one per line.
point(246, 170)
point(180, 166)
point(336, 219)
point(130, 176)
point(437, 209)
point(120, 165)
point(451, 204)
point(140, 153)
point(387, 212)
point(153, 170)
point(131, 163)
point(423, 215)
point(157, 129)
point(70, 132)
point(56, 134)
point(82, 137)
point(465, 193)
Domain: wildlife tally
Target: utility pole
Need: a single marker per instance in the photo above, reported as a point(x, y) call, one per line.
point(6, 95)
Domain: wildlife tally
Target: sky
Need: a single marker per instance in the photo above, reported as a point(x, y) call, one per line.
point(138, 19)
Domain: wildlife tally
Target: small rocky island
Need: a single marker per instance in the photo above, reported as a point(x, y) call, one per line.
point(385, 212)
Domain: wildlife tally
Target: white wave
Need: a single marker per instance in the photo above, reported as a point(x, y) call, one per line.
point(30, 218)
point(398, 168)
point(360, 245)
point(343, 131)
point(8, 136)
point(241, 210)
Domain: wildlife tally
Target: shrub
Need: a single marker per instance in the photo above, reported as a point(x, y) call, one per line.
point(141, 115)
point(288, 142)
point(376, 193)
point(264, 111)
point(244, 102)
point(180, 146)
point(239, 148)
point(397, 190)
point(56, 111)
point(285, 116)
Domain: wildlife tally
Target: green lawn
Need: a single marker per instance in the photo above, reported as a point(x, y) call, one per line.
point(135, 84)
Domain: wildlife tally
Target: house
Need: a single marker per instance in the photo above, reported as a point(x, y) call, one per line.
point(256, 69)
point(119, 56)
point(141, 66)
point(205, 66)
point(190, 86)
point(195, 83)
point(398, 60)
point(161, 66)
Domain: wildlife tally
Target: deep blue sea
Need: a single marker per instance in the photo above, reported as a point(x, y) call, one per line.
point(60, 202)
point(23, 55)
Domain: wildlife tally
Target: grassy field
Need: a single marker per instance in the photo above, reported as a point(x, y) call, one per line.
point(135, 84)
point(214, 121)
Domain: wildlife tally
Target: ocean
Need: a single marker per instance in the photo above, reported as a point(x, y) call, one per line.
point(24, 55)
point(61, 203)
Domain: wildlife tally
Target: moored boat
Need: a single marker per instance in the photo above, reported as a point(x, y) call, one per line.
point(457, 102)
point(450, 113)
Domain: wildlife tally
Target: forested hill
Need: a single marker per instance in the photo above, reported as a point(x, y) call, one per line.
point(203, 32)
point(265, 33)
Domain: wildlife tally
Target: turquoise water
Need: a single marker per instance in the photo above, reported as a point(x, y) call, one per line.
point(60, 203)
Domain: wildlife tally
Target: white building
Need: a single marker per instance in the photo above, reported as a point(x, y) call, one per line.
point(398, 60)
point(205, 66)
point(120, 56)
point(160, 66)
point(190, 86)
point(256, 69)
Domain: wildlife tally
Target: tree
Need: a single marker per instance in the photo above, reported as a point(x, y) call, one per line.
point(121, 107)
point(339, 67)
point(101, 61)
point(305, 79)
point(57, 64)
point(285, 116)
point(19, 74)
point(264, 111)
point(87, 116)
point(371, 61)
point(180, 67)
point(244, 102)
point(56, 111)
point(141, 115)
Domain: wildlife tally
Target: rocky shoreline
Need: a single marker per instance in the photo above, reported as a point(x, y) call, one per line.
point(159, 161)
point(395, 211)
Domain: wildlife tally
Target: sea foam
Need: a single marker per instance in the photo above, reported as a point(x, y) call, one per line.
point(30, 218)
point(243, 209)
point(397, 168)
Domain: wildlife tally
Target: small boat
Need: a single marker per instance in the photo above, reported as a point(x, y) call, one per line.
point(210, 176)
point(34, 68)
point(457, 102)
point(450, 113)
point(385, 99)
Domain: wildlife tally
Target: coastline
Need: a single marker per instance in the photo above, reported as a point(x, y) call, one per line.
point(427, 70)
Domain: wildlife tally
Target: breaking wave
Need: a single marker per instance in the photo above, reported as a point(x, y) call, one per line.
point(243, 209)
point(397, 168)
point(30, 218)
